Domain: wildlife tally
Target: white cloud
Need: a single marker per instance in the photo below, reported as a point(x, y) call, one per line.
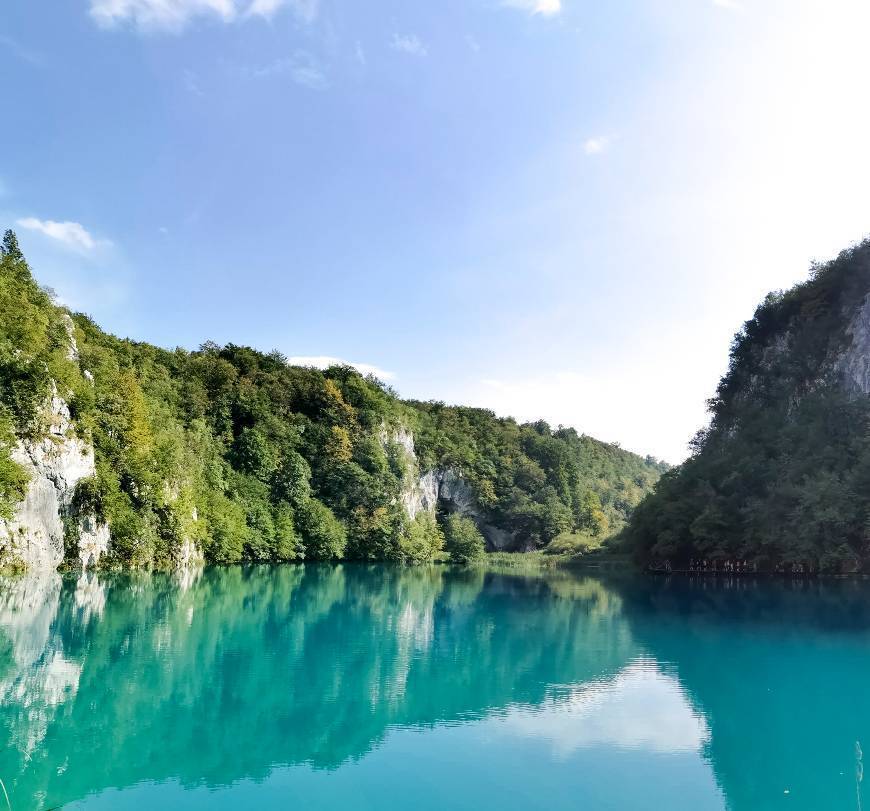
point(151, 14)
point(173, 15)
point(546, 8)
point(596, 145)
point(71, 234)
point(409, 44)
point(325, 361)
point(302, 68)
point(265, 8)
point(730, 5)
point(305, 10)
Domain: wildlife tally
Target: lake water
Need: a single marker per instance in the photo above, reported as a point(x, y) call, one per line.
point(354, 687)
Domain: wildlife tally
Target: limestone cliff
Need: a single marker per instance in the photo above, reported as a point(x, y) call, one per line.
point(55, 463)
point(444, 488)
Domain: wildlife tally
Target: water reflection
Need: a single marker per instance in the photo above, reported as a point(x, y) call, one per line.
point(639, 708)
point(244, 686)
point(109, 681)
point(779, 669)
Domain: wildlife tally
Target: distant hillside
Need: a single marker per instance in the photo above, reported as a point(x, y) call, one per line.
point(781, 479)
point(117, 451)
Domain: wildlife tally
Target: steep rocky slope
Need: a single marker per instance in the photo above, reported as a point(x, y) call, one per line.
point(54, 465)
point(781, 478)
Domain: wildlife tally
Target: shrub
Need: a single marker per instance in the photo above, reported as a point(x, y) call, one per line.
point(462, 539)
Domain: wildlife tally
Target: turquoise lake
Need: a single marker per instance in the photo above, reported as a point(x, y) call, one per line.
point(356, 687)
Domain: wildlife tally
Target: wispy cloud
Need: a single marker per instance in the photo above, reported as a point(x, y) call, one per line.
point(472, 43)
point(174, 15)
point(191, 83)
point(22, 52)
point(409, 44)
point(70, 234)
point(729, 5)
point(546, 8)
point(325, 361)
point(302, 68)
point(596, 145)
point(360, 54)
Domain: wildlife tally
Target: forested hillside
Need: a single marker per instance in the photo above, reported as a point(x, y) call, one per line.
point(781, 478)
point(247, 458)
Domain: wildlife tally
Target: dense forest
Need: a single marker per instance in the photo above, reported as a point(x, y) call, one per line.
point(256, 460)
point(780, 480)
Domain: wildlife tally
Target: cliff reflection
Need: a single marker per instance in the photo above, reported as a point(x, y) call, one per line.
point(108, 681)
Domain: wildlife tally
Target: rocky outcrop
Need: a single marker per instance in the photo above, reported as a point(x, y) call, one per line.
point(55, 464)
point(457, 495)
point(186, 552)
point(93, 540)
point(854, 363)
point(188, 555)
point(425, 491)
point(421, 493)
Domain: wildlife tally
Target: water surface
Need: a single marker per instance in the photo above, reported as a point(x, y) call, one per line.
point(354, 687)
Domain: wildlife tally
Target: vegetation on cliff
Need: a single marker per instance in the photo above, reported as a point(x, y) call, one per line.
point(253, 459)
point(781, 478)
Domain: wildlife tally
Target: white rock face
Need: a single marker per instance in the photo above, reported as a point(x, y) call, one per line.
point(93, 541)
point(423, 492)
point(421, 495)
point(855, 362)
point(458, 493)
point(188, 555)
point(72, 352)
point(420, 492)
point(55, 465)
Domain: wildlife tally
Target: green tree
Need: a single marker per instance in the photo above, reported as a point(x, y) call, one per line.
point(323, 535)
point(253, 454)
point(288, 545)
point(592, 517)
point(10, 247)
point(292, 481)
point(462, 539)
point(422, 539)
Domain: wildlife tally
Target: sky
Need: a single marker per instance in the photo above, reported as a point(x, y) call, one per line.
point(558, 209)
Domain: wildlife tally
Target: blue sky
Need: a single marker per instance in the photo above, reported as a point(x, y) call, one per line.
point(549, 208)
